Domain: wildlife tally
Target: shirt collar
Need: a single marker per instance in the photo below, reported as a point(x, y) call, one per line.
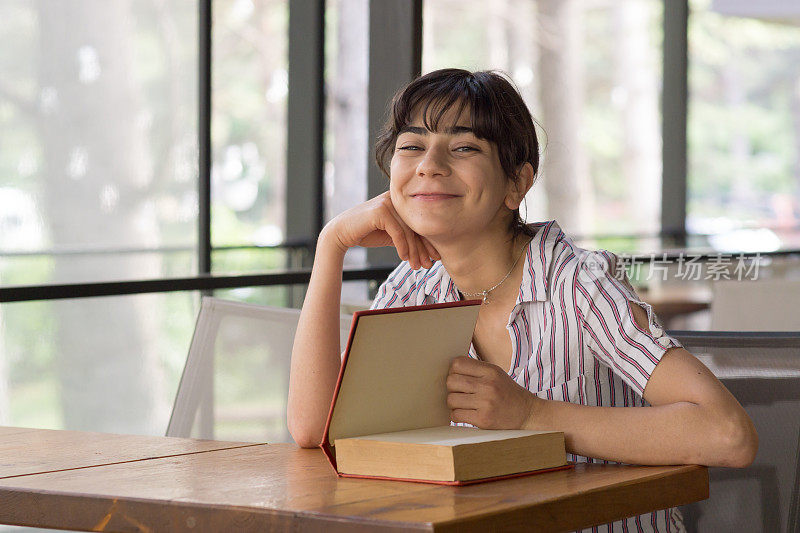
point(535, 285)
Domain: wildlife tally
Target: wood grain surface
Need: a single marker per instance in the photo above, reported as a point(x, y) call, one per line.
point(30, 451)
point(282, 487)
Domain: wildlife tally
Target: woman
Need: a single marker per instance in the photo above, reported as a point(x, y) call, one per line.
point(562, 341)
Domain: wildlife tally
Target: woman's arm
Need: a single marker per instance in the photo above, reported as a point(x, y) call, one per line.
point(315, 353)
point(693, 418)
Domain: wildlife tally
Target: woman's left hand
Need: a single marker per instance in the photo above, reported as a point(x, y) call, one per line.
point(482, 394)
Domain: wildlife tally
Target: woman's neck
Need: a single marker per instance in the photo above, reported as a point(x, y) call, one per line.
point(478, 264)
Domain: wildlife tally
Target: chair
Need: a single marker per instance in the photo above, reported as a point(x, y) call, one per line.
point(763, 372)
point(235, 380)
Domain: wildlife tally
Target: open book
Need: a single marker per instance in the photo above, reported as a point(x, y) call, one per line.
point(389, 416)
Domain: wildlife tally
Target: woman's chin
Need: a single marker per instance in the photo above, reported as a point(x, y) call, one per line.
point(434, 232)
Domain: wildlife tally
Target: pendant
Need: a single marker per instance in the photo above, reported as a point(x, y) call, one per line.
point(485, 298)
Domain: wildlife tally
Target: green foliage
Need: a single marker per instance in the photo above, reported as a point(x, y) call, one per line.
point(743, 126)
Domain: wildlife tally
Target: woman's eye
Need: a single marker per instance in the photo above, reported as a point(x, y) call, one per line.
point(466, 149)
point(410, 147)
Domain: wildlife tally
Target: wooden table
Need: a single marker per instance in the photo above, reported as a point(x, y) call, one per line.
point(99, 482)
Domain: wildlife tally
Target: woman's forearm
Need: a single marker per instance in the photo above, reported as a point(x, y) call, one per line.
point(677, 433)
point(315, 353)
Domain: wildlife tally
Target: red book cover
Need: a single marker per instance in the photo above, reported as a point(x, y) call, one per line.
point(393, 371)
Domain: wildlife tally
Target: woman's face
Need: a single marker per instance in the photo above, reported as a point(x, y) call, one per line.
point(448, 183)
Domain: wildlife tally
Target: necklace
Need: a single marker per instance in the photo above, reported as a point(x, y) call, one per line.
point(484, 295)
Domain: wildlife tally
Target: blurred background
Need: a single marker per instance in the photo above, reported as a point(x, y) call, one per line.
point(155, 150)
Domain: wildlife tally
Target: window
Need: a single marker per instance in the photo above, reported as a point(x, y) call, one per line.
point(590, 73)
point(248, 133)
point(98, 181)
point(744, 123)
point(98, 170)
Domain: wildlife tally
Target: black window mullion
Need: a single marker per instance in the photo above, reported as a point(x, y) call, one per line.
point(204, 137)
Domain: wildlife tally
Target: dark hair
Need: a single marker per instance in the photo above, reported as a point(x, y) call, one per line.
point(499, 115)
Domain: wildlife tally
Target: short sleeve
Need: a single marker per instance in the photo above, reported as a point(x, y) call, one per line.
point(609, 328)
point(399, 289)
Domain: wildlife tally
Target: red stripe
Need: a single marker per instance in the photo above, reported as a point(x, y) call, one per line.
point(565, 327)
point(516, 347)
point(619, 352)
point(402, 282)
point(579, 331)
point(608, 356)
point(598, 389)
point(611, 386)
point(545, 233)
point(566, 260)
point(638, 525)
point(526, 378)
point(620, 327)
point(539, 364)
point(553, 366)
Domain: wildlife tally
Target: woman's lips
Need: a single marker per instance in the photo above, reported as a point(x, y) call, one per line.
point(432, 197)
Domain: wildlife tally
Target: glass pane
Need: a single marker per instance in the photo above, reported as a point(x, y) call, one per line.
point(249, 260)
point(275, 295)
point(347, 148)
point(744, 122)
point(98, 364)
point(98, 131)
point(248, 131)
point(590, 73)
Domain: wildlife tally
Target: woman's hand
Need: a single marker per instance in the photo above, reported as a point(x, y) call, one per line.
point(482, 394)
point(376, 223)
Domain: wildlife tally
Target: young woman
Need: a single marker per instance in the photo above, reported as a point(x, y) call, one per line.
point(562, 340)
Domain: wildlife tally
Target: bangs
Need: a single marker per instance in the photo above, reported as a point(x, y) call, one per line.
point(433, 103)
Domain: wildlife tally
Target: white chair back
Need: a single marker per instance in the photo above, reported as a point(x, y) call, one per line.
point(235, 381)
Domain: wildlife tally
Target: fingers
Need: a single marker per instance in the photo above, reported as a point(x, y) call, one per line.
point(417, 251)
point(409, 242)
point(461, 400)
point(464, 415)
point(461, 383)
point(432, 252)
point(396, 232)
point(472, 367)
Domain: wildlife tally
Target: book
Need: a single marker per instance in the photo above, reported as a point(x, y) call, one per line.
point(389, 416)
point(450, 453)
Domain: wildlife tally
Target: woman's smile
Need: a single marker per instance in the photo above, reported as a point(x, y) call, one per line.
point(433, 196)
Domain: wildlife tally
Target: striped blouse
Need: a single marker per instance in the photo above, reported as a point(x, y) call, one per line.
point(573, 335)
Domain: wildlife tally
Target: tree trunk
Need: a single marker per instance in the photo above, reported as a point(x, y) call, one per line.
point(636, 78)
point(346, 182)
point(96, 178)
point(565, 172)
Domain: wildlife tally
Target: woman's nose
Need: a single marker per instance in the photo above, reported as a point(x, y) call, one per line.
point(434, 162)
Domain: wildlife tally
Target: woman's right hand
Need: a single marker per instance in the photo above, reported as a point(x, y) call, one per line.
point(376, 223)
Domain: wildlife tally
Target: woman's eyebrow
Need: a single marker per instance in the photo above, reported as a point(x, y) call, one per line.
point(452, 130)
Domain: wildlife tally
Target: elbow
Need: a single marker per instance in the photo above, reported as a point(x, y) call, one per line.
point(739, 442)
point(306, 440)
point(303, 434)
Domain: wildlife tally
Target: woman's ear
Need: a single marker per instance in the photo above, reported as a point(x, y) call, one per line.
point(520, 186)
